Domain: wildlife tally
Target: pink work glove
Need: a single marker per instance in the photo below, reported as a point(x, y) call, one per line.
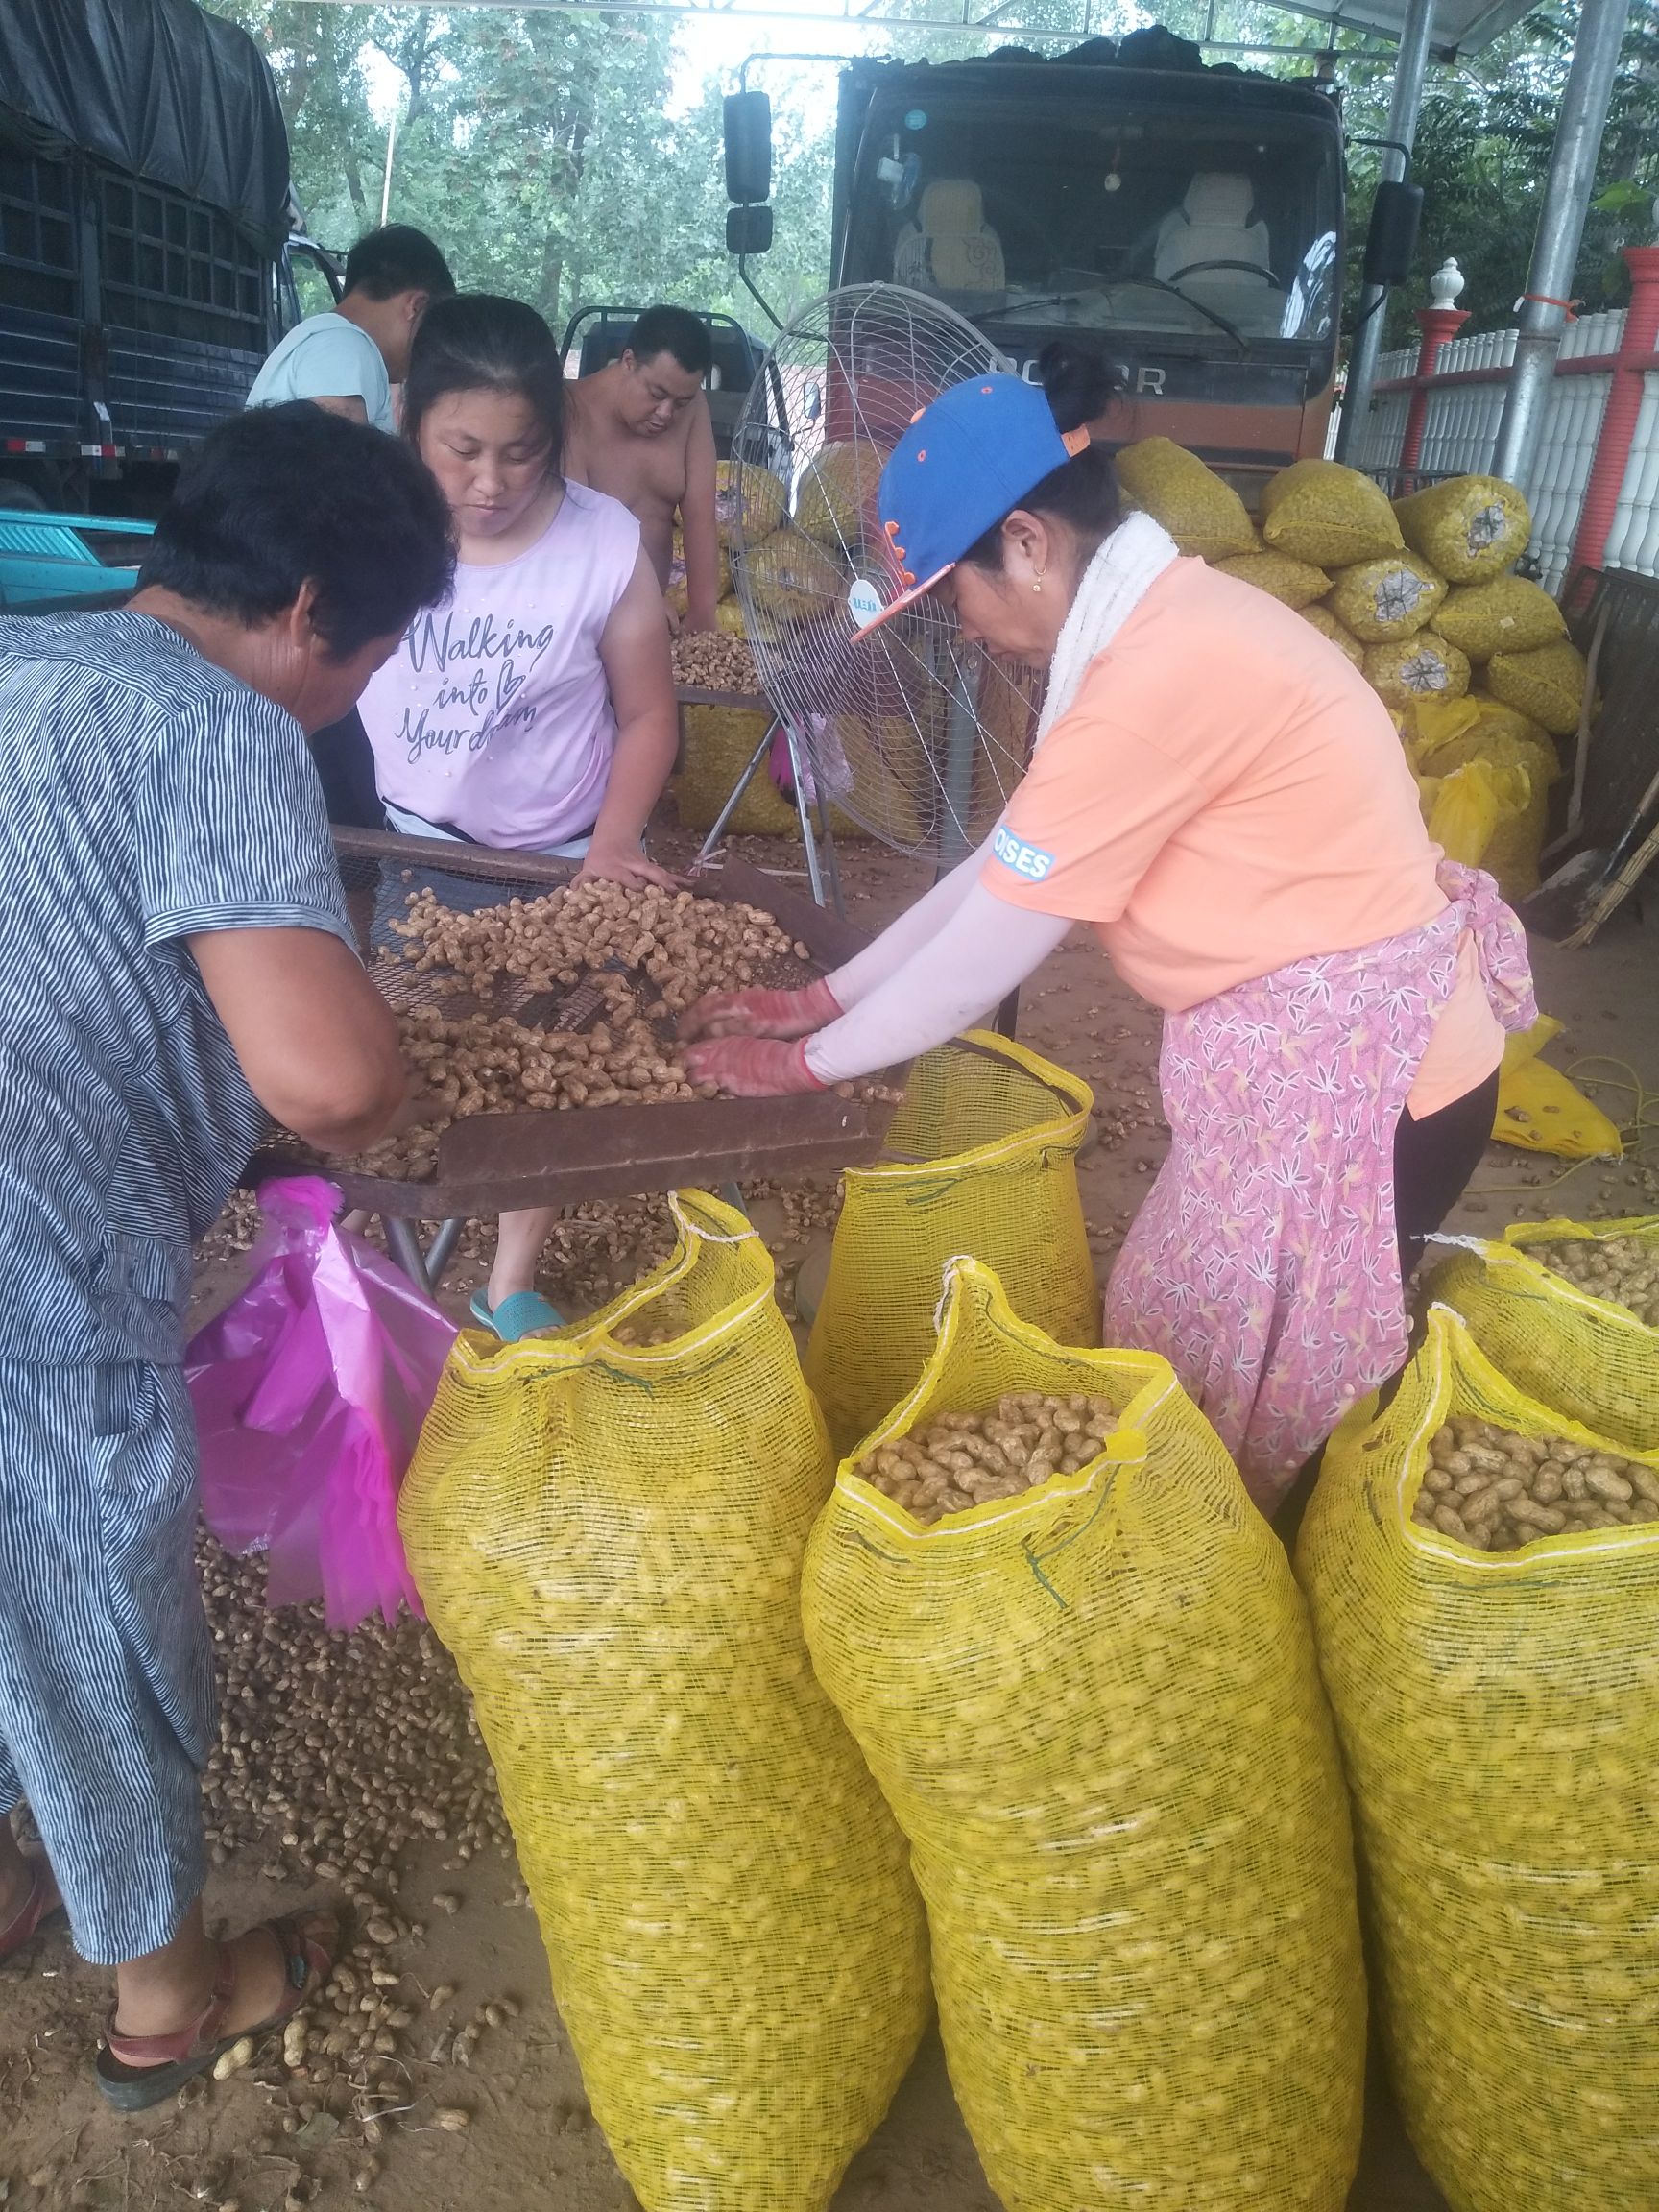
point(753, 1067)
point(762, 1013)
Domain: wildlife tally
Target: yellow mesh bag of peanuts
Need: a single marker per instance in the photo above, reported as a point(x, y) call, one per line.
point(981, 1158)
point(1094, 1709)
point(1499, 1711)
point(1570, 1312)
point(607, 1526)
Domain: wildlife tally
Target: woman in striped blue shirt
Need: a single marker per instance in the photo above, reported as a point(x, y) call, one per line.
point(174, 963)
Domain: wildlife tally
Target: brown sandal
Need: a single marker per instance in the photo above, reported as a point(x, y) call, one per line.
point(41, 1902)
point(137, 2071)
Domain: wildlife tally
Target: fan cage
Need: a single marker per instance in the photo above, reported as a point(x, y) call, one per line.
point(917, 735)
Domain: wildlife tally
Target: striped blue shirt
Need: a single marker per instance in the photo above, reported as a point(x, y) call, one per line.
point(145, 795)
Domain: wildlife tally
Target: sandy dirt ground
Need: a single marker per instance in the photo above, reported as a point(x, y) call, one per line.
point(264, 2141)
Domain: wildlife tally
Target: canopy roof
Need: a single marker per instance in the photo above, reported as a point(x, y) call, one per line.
point(1460, 26)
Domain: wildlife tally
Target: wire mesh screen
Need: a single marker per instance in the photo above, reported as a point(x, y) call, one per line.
point(387, 881)
point(916, 734)
point(602, 981)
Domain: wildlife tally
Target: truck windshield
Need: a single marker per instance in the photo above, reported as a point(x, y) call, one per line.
point(1084, 212)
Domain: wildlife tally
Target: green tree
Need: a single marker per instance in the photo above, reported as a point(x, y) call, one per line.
point(316, 56)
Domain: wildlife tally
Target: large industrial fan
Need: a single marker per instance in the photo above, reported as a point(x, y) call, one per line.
point(910, 732)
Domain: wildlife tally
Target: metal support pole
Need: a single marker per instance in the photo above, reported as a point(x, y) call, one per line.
point(713, 840)
point(1405, 105)
point(404, 1244)
point(1542, 311)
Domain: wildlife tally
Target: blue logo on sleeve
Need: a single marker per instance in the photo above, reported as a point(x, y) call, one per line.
point(1027, 860)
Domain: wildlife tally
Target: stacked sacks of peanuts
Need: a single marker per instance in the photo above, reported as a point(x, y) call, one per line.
point(1570, 1312)
point(1483, 1574)
point(1077, 1666)
point(1421, 596)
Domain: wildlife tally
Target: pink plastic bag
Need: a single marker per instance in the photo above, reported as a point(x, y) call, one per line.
point(309, 1391)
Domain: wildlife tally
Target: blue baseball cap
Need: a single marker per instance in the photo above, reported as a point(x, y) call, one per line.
point(963, 462)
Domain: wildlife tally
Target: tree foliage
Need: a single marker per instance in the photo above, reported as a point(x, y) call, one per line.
point(1483, 155)
point(555, 156)
point(540, 148)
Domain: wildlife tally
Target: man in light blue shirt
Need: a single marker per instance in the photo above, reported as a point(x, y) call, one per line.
point(349, 359)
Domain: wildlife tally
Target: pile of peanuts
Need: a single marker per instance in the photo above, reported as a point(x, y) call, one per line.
point(675, 945)
point(714, 661)
point(478, 1064)
point(1623, 1270)
point(338, 1758)
point(957, 1460)
point(685, 945)
point(1496, 1491)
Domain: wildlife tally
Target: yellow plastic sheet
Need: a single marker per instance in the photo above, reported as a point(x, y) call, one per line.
point(1586, 1355)
point(608, 1536)
point(985, 1163)
point(1469, 803)
point(1500, 1722)
point(1095, 1713)
point(1539, 1110)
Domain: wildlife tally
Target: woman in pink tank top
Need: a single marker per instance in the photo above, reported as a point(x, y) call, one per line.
point(534, 710)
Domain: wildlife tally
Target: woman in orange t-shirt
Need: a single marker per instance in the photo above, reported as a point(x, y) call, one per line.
point(1219, 795)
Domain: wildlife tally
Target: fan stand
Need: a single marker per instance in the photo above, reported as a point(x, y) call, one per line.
point(822, 871)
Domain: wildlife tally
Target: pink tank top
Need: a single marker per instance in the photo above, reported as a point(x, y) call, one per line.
point(494, 716)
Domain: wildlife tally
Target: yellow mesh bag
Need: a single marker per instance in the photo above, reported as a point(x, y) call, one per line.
point(1500, 1722)
point(749, 499)
point(1472, 527)
point(792, 578)
point(984, 1153)
point(1546, 685)
point(1203, 514)
point(837, 494)
point(720, 743)
point(1095, 1710)
point(1510, 615)
point(1321, 511)
point(1295, 583)
point(1328, 626)
point(1420, 667)
point(608, 1537)
point(1589, 1356)
point(1382, 600)
point(679, 592)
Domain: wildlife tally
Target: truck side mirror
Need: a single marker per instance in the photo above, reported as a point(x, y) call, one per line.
point(1391, 241)
point(748, 230)
point(747, 130)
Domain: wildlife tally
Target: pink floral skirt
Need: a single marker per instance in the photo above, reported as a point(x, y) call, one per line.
point(1263, 1264)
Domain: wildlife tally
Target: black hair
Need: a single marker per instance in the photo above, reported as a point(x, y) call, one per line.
point(674, 330)
point(1082, 492)
point(397, 258)
point(481, 343)
point(281, 496)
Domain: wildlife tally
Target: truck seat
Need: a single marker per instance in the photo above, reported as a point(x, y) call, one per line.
point(951, 248)
point(1213, 223)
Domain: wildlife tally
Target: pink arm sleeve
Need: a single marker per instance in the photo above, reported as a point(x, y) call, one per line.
point(860, 976)
point(967, 965)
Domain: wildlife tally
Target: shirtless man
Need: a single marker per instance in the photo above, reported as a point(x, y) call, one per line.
point(640, 430)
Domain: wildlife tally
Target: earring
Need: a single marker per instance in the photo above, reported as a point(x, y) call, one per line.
point(1038, 585)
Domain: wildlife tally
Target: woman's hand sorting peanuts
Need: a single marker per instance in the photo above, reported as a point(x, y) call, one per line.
point(758, 1013)
point(753, 1067)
